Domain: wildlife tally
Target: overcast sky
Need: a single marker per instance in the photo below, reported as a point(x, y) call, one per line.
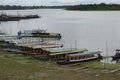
point(54, 2)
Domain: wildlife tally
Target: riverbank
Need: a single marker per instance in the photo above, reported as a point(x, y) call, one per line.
point(94, 7)
point(19, 67)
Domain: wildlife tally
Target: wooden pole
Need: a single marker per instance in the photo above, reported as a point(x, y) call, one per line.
point(75, 44)
point(107, 52)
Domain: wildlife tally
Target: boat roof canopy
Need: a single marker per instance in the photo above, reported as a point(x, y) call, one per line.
point(68, 52)
point(55, 50)
point(46, 46)
point(84, 53)
point(35, 30)
point(38, 46)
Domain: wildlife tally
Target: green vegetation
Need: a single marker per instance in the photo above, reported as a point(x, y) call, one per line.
point(8, 7)
point(14, 7)
point(101, 6)
point(19, 67)
point(100, 65)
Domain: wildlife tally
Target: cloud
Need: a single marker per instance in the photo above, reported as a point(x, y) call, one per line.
point(55, 2)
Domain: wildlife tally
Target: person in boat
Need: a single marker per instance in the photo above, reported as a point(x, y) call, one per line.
point(19, 34)
point(116, 57)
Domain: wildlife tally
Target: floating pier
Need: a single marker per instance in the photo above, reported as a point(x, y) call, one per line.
point(4, 17)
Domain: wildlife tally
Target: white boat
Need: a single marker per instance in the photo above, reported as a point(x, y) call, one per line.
point(80, 57)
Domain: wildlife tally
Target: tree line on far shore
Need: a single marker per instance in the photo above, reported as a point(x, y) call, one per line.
point(101, 6)
point(14, 7)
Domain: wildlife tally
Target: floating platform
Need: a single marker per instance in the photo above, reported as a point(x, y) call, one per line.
point(4, 17)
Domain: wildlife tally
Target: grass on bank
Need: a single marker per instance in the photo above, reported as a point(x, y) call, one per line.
point(20, 67)
point(100, 65)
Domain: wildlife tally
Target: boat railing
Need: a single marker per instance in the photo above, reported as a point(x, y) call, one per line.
point(35, 31)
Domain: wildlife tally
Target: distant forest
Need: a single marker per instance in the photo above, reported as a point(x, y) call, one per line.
point(14, 7)
point(101, 6)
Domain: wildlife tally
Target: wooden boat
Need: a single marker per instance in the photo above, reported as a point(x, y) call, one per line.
point(2, 33)
point(38, 33)
point(30, 16)
point(61, 55)
point(5, 45)
point(38, 50)
point(5, 17)
point(80, 57)
point(28, 49)
point(40, 56)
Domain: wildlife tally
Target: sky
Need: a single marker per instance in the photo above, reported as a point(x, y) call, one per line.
point(54, 2)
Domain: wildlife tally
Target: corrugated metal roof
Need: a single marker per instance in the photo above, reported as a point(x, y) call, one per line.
point(84, 53)
point(55, 50)
point(68, 52)
point(46, 46)
point(36, 46)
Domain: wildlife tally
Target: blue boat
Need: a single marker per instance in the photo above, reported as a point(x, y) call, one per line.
point(38, 33)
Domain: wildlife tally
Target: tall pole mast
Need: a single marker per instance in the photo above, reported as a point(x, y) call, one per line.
point(107, 52)
point(75, 44)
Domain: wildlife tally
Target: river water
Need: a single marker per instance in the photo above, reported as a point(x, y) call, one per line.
point(89, 29)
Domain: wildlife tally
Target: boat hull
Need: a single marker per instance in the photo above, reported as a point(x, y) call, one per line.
point(5, 17)
point(64, 62)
